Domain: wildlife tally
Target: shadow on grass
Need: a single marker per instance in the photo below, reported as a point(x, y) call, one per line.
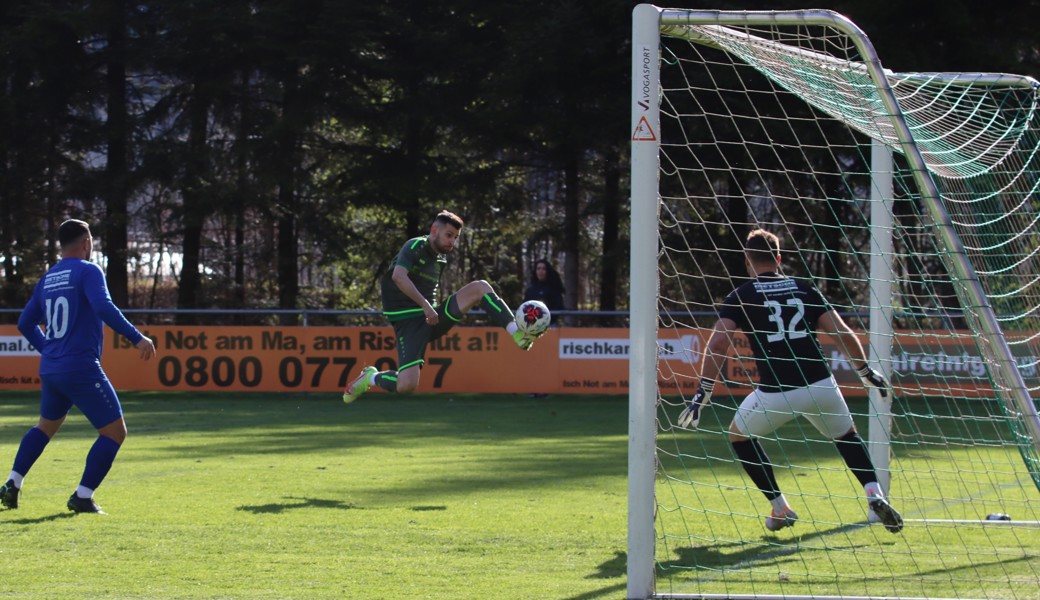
point(37, 520)
point(615, 567)
point(569, 439)
point(719, 557)
point(295, 503)
point(609, 569)
point(713, 561)
point(604, 592)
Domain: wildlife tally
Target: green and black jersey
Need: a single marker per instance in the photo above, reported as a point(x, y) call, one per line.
point(424, 269)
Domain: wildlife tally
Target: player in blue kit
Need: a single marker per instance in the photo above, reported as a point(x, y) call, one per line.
point(781, 316)
point(72, 301)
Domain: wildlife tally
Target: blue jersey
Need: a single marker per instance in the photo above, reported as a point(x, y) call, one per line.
point(72, 302)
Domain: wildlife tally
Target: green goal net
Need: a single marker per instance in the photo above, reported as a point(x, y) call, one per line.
point(910, 200)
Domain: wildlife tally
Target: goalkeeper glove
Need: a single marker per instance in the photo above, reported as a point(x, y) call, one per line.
point(871, 377)
point(691, 415)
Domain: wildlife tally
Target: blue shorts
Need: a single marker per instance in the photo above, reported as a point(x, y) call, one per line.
point(89, 390)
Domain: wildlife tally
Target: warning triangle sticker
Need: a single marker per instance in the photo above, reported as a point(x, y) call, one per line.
point(643, 132)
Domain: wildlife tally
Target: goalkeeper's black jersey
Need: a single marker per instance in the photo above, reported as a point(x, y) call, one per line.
point(424, 269)
point(779, 314)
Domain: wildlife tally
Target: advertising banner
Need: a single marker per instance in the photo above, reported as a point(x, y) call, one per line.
point(467, 360)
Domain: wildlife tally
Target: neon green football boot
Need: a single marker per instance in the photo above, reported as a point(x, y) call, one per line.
point(360, 385)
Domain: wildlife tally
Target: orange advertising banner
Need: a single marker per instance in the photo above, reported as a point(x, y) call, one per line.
point(467, 360)
point(325, 359)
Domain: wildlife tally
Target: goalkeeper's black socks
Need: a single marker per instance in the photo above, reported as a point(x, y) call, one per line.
point(756, 464)
point(854, 452)
point(497, 310)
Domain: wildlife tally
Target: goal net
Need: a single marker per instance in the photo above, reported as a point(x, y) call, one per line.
point(910, 200)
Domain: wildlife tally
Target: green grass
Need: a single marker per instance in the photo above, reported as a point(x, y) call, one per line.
point(296, 497)
point(711, 538)
point(285, 497)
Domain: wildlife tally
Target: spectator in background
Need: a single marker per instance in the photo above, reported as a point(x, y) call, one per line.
point(546, 286)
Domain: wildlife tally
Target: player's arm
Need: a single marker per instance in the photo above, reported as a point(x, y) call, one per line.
point(29, 323)
point(96, 291)
point(404, 283)
point(720, 342)
point(831, 323)
point(717, 350)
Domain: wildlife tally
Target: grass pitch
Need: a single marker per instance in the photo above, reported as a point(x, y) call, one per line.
point(710, 519)
point(300, 497)
point(294, 497)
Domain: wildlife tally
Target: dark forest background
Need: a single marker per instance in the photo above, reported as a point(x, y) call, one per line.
point(277, 153)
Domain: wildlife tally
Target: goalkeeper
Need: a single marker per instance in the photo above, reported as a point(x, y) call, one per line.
point(781, 317)
point(409, 293)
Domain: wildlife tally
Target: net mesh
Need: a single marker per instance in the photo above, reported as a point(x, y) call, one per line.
point(771, 127)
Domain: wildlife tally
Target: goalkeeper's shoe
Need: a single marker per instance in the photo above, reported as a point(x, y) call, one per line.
point(360, 385)
point(83, 505)
point(882, 512)
point(9, 494)
point(525, 340)
point(785, 518)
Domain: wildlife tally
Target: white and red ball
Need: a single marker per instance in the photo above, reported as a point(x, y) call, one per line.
point(532, 317)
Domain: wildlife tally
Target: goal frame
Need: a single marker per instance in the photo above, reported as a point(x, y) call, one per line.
point(649, 23)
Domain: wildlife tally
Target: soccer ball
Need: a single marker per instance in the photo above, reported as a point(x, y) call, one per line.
point(533, 317)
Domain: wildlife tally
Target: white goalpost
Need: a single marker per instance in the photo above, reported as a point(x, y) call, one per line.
point(912, 200)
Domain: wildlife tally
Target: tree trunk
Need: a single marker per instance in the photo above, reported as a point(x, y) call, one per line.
point(242, 191)
point(288, 139)
point(195, 200)
point(114, 231)
point(571, 233)
point(608, 279)
point(13, 193)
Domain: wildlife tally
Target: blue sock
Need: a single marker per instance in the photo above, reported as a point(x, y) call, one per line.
point(99, 461)
point(30, 449)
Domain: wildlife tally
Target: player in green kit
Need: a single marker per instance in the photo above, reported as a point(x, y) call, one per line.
point(409, 292)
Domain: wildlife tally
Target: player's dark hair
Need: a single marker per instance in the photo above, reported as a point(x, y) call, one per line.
point(552, 276)
point(448, 218)
point(72, 231)
point(762, 246)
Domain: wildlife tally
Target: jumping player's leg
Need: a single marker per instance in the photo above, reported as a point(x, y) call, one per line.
point(481, 293)
point(411, 337)
point(498, 312)
point(411, 348)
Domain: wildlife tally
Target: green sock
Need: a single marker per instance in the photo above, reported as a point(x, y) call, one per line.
point(497, 310)
point(387, 380)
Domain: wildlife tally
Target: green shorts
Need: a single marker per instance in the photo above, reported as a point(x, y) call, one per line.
point(413, 335)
